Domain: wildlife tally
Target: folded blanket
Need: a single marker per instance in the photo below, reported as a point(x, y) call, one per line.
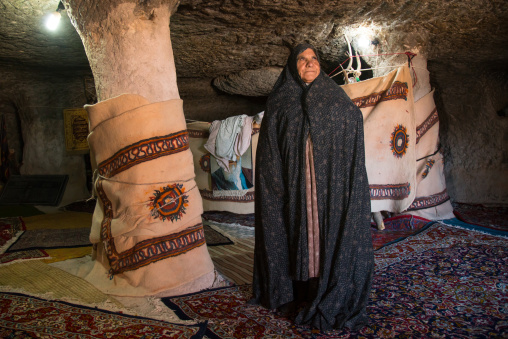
point(147, 232)
point(390, 138)
point(432, 200)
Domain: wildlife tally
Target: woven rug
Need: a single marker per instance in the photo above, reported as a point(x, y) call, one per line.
point(24, 316)
point(493, 217)
point(79, 237)
point(215, 238)
point(396, 229)
point(22, 255)
point(235, 262)
point(39, 279)
point(86, 206)
point(229, 218)
point(10, 230)
point(443, 282)
point(52, 238)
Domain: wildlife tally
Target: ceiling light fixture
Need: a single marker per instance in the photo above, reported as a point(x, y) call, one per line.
point(53, 19)
point(363, 42)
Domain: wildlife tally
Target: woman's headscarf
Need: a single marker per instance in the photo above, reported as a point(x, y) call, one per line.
point(290, 71)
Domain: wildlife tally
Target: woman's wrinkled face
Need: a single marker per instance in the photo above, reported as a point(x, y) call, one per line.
point(307, 65)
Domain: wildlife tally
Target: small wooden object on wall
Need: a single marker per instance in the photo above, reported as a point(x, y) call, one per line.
point(76, 130)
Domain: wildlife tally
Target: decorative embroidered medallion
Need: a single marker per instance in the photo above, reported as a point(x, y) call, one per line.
point(169, 202)
point(400, 141)
point(428, 166)
point(391, 192)
point(204, 162)
point(147, 251)
point(398, 90)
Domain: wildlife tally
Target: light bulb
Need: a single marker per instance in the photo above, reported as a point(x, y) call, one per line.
point(363, 41)
point(52, 20)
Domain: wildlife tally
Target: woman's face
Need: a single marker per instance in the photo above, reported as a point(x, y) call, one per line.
point(307, 65)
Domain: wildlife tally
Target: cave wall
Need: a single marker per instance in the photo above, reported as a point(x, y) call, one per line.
point(203, 102)
point(474, 136)
point(33, 102)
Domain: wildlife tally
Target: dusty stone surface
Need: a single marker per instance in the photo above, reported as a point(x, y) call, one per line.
point(34, 116)
point(114, 33)
point(473, 135)
point(258, 82)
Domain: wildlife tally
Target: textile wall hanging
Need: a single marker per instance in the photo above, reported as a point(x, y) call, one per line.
point(147, 230)
point(214, 198)
point(390, 137)
point(76, 130)
point(432, 200)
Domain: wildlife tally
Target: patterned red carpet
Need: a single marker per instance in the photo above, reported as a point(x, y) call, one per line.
point(444, 282)
point(493, 217)
point(396, 229)
point(24, 316)
point(11, 229)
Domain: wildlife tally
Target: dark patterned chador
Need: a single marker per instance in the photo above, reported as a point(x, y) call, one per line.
point(321, 112)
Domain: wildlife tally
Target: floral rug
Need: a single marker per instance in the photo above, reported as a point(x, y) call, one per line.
point(492, 217)
point(229, 218)
point(23, 255)
point(443, 282)
point(10, 230)
point(396, 229)
point(215, 238)
point(23, 316)
point(52, 238)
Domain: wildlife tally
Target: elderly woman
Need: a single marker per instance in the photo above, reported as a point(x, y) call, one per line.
point(313, 253)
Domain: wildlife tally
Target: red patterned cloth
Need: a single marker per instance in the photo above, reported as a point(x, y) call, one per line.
point(441, 283)
point(23, 316)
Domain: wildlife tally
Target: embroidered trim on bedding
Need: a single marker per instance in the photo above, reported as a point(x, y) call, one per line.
point(429, 201)
point(392, 192)
point(430, 121)
point(147, 251)
point(144, 150)
point(398, 90)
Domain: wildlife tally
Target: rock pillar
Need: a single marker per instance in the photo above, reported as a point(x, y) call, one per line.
point(147, 230)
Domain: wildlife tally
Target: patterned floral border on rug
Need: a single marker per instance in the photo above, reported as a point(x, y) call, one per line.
point(443, 282)
point(396, 229)
point(492, 217)
point(230, 218)
point(23, 255)
point(11, 229)
point(27, 316)
point(215, 238)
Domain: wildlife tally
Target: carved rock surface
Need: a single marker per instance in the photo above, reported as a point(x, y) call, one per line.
point(219, 37)
point(465, 44)
point(254, 83)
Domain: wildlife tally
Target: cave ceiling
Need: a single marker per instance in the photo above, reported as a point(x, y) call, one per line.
point(220, 37)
